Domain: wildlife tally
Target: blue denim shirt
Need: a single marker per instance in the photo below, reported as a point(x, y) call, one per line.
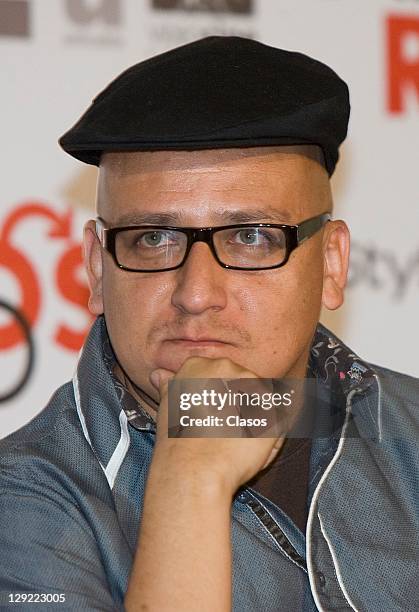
point(72, 486)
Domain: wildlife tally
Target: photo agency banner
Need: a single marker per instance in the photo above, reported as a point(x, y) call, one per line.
point(56, 56)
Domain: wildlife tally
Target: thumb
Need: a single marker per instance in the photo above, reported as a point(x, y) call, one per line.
point(160, 377)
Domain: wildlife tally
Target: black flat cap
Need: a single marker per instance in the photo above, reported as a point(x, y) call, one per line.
point(217, 92)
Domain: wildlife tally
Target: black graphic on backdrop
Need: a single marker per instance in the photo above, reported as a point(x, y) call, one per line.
point(215, 6)
point(24, 376)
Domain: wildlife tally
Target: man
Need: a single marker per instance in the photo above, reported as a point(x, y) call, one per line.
point(211, 257)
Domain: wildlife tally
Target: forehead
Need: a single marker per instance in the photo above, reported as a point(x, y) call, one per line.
point(123, 164)
point(234, 178)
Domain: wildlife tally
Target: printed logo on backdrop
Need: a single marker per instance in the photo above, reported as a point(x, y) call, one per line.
point(96, 22)
point(22, 308)
point(217, 6)
point(193, 19)
point(384, 270)
point(14, 18)
point(403, 62)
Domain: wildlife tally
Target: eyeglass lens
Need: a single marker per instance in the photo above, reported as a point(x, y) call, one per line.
point(154, 249)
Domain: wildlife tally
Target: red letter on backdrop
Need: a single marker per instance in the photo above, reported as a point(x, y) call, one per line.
point(403, 72)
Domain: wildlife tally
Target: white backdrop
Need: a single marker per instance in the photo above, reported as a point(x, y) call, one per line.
point(55, 55)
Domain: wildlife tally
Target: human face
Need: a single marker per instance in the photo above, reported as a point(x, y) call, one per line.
point(262, 320)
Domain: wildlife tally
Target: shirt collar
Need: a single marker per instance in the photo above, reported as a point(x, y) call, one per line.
point(350, 381)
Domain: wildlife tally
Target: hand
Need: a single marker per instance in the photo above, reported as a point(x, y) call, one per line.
point(229, 462)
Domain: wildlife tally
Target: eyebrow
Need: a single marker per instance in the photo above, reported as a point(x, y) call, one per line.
point(225, 216)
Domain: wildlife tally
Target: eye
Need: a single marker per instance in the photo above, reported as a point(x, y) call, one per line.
point(155, 238)
point(152, 239)
point(254, 236)
point(247, 236)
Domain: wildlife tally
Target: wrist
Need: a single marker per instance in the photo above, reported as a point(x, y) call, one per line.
point(191, 479)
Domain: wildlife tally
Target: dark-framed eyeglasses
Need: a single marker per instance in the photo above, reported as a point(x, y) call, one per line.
point(244, 246)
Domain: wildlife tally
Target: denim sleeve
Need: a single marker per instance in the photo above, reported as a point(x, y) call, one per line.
point(48, 547)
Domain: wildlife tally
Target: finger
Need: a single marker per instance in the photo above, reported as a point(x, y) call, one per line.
point(159, 379)
point(274, 451)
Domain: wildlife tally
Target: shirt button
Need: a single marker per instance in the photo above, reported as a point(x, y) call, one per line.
point(321, 579)
point(242, 497)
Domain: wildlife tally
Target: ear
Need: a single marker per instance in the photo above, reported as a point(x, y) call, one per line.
point(336, 246)
point(93, 264)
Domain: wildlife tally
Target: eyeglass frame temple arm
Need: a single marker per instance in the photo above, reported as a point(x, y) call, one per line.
point(100, 231)
point(308, 228)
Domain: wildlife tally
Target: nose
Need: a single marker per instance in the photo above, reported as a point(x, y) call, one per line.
point(200, 282)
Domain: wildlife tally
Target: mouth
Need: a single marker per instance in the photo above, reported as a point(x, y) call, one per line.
point(197, 342)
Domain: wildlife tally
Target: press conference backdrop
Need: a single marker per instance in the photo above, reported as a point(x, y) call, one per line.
point(56, 55)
